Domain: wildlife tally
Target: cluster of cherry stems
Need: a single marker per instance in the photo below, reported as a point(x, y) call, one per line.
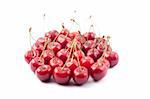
point(64, 55)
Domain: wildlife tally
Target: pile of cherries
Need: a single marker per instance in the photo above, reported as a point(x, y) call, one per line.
point(63, 56)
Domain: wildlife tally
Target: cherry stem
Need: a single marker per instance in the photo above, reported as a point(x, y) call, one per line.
point(77, 56)
point(91, 26)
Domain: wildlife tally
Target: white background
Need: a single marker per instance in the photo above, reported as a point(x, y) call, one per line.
point(127, 21)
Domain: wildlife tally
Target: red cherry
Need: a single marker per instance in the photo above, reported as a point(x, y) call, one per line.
point(38, 47)
point(48, 55)
point(78, 45)
point(72, 64)
point(63, 40)
point(51, 34)
point(40, 40)
point(79, 54)
point(62, 75)
point(81, 39)
point(73, 35)
point(80, 75)
point(101, 48)
point(89, 36)
point(64, 31)
point(113, 58)
point(88, 45)
point(35, 63)
point(94, 53)
point(55, 46)
point(55, 62)
point(63, 55)
point(29, 55)
point(44, 72)
point(98, 70)
point(87, 62)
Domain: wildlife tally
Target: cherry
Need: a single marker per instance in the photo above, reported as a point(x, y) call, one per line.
point(72, 64)
point(64, 31)
point(51, 34)
point(98, 70)
point(81, 39)
point(38, 47)
point(55, 46)
point(48, 55)
point(94, 53)
point(80, 75)
point(55, 62)
point(62, 75)
point(113, 58)
point(35, 63)
point(73, 35)
point(89, 36)
point(79, 46)
point(40, 40)
point(86, 62)
point(29, 55)
point(101, 48)
point(79, 54)
point(63, 55)
point(88, 45)
point(44, 72)
point(63, 40)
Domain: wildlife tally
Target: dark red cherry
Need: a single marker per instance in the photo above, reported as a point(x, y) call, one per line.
point(38, 47)
point(48, 55)
point(63, 40)
point(98, 70)
point(86, 62)
point(80, 75)
point(64, 31)
point(73, 35)
point(51, 34)
point(35, 63)
point(55, 62)
point(55, 46)
point(72, 64)
point(63, 55)
point(29, 55)
point(62, 75)
point(81, 39)
point(41, 40)
point(88, 45)
point(44, 72)
point(79, 54)
point(94, 53)
point(113, 58)
point(89, 36)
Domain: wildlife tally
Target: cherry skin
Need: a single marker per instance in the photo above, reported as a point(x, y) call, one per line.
point(98, 70)
point(94, 53)
point(101, 48)
point(73, 35)
point(41, 40)
point(29, 55)
point(44, 72)
point(88, 45)
point(35, 63)
point(62, 75)
point(51, 34)
point(65, 31)
point(55, 62)
point(89, 36)
point(38, 47)
point(80, 75)
point(80, 38)
point(48, 55)
point(63, 40)
point(78, 45)
point(113, 59)
point(72, 64)
point(55, 46)
point(79, 54)
point(86, 62)
point(63, 55)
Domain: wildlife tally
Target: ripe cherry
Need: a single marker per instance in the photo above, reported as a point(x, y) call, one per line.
point(55, 46)
point(51, 34)
point(29, 55)
point(38, 47)
point(35, 63)
point(113, 58)
point(44, 72)
point(41, 40)
point(94, 53)
point(72, 64)
point(89, 36)
point(63, 55)
point(88, 45)
point(80, 75)
point(79, 54)
point(55, 62)
point(48, 55)
point(64, 31)
point(62, 75)
point(73, 35)
point(63, 40)
point(86, 62)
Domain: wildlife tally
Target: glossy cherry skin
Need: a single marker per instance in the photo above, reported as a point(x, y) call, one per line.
point(63, 55)
point(52, 34)
point(55, 62)
point(80, 75)
point(62, 76)
point(55, 46)
point(38, 47)
point(101, 48)
point(72, 64)
point(63, 40)
point(29, 55)
point(73, 35)
point(94, 53)
point(48, 55)
point(113, 59)
point(65, 31)
point(44, 72)
point(86, 62)
point(81, 39)
point(35, 63)
point(89, 36)
point(88, 45)
point(41, 40)
point(98, 70)
point(79, 54)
